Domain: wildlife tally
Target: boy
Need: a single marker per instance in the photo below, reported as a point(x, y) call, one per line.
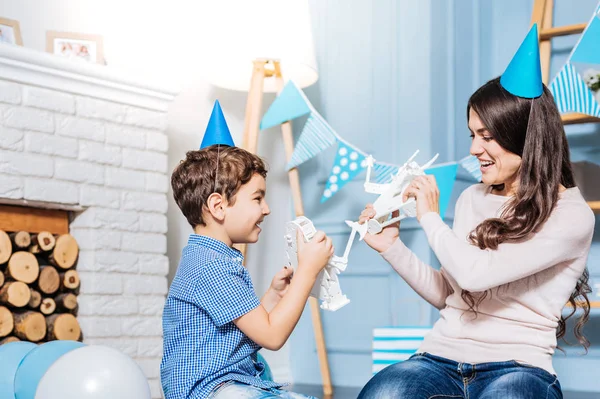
point(213, 322)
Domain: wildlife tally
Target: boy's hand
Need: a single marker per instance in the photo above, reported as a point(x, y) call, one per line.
point(314, 255)
point(281, 281)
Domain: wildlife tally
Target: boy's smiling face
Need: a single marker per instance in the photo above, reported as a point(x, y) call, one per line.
point(242, 219)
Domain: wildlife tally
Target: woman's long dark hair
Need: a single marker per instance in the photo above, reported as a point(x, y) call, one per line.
point(532, 129)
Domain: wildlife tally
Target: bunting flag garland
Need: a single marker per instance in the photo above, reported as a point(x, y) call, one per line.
point(349, 162)
point(317, 135)
point(291, 103)
point(570, 90)
point(384, 172)
point(586, 49)
point(471, 164)
point(445, 176)
point(571, 94)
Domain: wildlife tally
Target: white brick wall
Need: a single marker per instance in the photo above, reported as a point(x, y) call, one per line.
point(110, 159)
point(11, 139)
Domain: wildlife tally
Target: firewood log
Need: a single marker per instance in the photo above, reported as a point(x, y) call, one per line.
point(69, 281)
point(11, 338)
point(49, 280)
point(44, 240)
point(65, 252)
point(23, 266)
point(35, 300)
point(35, 249)
point(15, 293)
point(30, 326)
point(66, 302)
point(48, 306)
point(1, 279)
point(6, 321)
point(5, 247)
point(21, 240)
point(62, 326)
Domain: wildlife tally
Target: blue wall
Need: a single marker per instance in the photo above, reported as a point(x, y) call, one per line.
point(395, 76)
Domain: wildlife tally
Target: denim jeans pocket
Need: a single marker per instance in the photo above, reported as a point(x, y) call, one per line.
point(538, 370)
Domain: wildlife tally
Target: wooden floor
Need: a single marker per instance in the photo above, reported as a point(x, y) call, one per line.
point(352, 393)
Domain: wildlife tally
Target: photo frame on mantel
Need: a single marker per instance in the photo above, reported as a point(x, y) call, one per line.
point(10, 32)
point(77, 46)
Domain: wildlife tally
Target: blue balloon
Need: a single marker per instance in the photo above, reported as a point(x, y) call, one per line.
point(36, 363)
point(11, 354)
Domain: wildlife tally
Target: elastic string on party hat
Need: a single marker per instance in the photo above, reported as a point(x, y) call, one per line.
point(217, 169)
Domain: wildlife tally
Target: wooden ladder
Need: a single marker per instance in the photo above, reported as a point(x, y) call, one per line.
point(542, 15)
point(543, 11)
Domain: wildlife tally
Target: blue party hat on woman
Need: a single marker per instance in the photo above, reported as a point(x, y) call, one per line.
point(217, 131)
point(523, 76)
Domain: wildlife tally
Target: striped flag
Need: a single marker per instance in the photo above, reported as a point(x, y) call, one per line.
point(384, 171)
point(315, 137)
point(571, 94)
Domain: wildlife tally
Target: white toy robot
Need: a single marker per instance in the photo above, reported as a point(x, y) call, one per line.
point(390, 197)
point(327, 287)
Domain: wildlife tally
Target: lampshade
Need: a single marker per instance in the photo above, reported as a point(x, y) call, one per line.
point(260, 29)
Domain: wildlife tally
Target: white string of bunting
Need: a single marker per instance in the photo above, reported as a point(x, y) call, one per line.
point(317, 135)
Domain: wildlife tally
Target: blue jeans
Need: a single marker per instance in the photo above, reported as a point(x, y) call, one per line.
point(425, 376)
point(237, 390)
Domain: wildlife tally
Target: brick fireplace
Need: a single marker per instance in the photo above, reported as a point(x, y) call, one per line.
point(81, 138)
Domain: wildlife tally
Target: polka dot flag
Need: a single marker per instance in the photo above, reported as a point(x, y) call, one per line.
point(349, 162)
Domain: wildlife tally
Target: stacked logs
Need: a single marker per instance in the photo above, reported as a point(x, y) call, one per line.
point(38, 287)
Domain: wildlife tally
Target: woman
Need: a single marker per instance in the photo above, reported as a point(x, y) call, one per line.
point(516, 254)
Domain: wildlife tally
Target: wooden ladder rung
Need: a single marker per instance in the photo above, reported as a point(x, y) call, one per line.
point(548, 33)
point(595, 205)
point(593, 305)
point(573, 118)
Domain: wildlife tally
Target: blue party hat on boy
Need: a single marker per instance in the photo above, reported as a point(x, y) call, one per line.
point(217, 131)
point(523, 76)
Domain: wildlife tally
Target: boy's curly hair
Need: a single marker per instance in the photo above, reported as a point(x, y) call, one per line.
point(194, 180)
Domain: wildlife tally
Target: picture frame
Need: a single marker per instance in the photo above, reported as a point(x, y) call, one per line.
point(10, 32)
point(77, 46)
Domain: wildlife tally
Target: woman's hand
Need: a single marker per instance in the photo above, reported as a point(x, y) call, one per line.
point(382, 241)
point(425, 191)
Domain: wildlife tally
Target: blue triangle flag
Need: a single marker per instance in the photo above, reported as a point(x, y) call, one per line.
point(445, 176)
point(217, 131)
point(288, 105)
point(523, 76)
point(472, 165)
point(315, 137)
point(588, 48)
point(571, 94)
point(384, 171)
point(348, 163)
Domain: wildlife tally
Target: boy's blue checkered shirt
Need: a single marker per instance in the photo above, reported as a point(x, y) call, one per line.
point(202, 346)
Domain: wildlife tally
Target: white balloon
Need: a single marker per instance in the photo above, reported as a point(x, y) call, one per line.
point(93, 372)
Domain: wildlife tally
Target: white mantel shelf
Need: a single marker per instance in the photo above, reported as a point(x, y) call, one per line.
point(32, 67)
